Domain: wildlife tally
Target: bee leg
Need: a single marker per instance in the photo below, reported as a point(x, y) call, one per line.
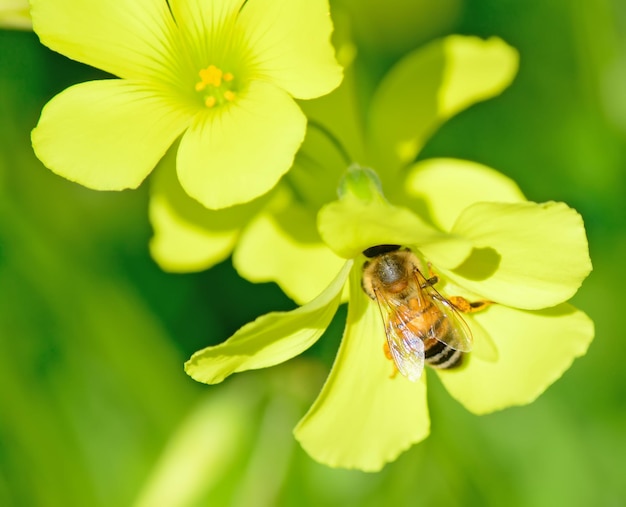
point(459, 302)
point(465, 306)
point(387, 351)
point(432, 276)
point(390, 357)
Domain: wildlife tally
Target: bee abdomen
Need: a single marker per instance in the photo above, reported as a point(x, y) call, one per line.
point(440, 355)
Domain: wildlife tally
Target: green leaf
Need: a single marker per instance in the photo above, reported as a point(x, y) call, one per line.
point(205, 447)
point(429, 86)
point(365, 416)
point(270, 339)
point(526, 255)
point(534, 349)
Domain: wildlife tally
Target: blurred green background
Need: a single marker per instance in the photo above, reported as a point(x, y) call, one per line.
point(95, 409)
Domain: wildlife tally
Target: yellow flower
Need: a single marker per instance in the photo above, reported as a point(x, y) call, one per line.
point(221, 73)
point(14, 14)
point(499, 247)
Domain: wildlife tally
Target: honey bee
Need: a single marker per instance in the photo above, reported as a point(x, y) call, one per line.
point(421, 325)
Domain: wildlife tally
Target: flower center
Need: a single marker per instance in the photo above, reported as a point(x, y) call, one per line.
point(216, 86)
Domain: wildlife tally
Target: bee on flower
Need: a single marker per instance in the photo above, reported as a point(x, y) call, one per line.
point(365, 415)
point(472, 226)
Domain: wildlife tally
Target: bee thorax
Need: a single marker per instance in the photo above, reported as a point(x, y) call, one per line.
point(392, 272)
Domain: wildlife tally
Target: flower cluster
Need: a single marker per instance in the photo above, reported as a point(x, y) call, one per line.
point(491, 245)
point(206, 92)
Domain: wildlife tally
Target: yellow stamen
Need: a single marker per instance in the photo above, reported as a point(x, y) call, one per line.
point(216, 85)
point(211, 75)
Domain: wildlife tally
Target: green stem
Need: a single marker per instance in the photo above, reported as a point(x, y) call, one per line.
point(333, 140)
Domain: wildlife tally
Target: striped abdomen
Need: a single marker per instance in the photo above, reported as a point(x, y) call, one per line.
point(440, 355)
point(439, 336)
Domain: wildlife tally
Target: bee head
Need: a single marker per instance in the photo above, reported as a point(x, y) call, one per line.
point(387, 271)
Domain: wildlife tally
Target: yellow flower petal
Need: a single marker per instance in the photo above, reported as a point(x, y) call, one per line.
point(350, 225)
point(239, 151)
point(197, 18)
point(526, 255)
point(271, 339)
point(534, 349)
point(430, 85)
point(15, 14)
point(188, 236)
point(292, 41)
point(128, 38)
point(284, 247)
point(364, 418)
point(475, 70)
point(448, 186)
point(106, 135)
point(182, 246)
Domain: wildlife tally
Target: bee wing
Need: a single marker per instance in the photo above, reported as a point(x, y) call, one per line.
point(407, 350)
point(405, 346)
point(451, 328)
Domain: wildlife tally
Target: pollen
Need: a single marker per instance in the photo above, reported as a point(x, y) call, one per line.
point(211, 76)
point(217, 86)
